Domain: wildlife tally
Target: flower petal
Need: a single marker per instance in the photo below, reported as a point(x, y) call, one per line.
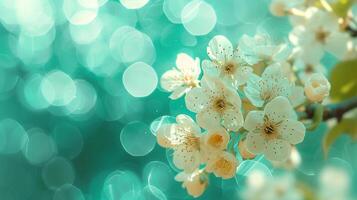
point(188, 65)
point(171, 80)
point(164, 133)
point(179, 92)
point(186, 159)
point(254, 120)
point(253, 90)
point(277, 150)
point(208, 119)
point(188, 122)
point(337, 44)
point(242, 75)
point(293, 131)
point(297, 96)
point(220, 48)
point(279, 109)
point(255, 142)
point(232, 119)
point(196, 100)
point(210, 68)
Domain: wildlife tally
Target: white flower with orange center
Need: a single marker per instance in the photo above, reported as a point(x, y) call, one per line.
point(182, 78)
point(184, 138)
point(215, 104)
point(272, 132)
point(216, 139)
point(272, 83)
point(195, 182)
point(226, 62)
point(223, 165)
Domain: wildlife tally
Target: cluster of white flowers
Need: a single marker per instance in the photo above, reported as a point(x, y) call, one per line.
point(253, 89)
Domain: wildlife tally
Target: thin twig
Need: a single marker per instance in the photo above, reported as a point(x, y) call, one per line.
point(336, 110)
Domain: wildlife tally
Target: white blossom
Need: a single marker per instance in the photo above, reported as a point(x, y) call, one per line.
point(272, 83)
point(226, 63)
point(182, 78)
point(215, 105)
point(260, 49)
point(223, 165)
point(184, 137)
point(319, 33)
point(272, 132)
point(317, 87)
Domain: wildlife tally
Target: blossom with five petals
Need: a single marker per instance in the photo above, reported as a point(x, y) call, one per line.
point(215, 105)
point(184, 137)
point(183, 78)
point(274, 130)
point(226, 62)
point(272, 83)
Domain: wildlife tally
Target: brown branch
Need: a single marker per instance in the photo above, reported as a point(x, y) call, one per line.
point(336, 110)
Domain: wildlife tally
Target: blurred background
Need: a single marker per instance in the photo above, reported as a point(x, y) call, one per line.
point(80, 99)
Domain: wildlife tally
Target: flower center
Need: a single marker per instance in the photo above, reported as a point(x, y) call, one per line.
point(192, 141)
point(266, 95)
point(190, 81)
point(229, 68)
point(223, 164)
point(309, 68)
point(315, 84)
point(321, 35)
point(270, 128)
point(220, 105)
point(215, 140)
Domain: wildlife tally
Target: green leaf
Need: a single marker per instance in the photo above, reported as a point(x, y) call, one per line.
point(343, 80)
point(346, 126)
point(341, 7)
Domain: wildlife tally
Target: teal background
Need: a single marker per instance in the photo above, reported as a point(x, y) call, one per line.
point(102, 151)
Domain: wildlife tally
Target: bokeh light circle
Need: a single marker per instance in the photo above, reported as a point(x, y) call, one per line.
point(159, 175)
point(151, 192)
point(134, 4)
point(136, 139)
point(13, 137)
point(120, 184)
point(198, 17)
point(58, 88)
point(248, 167)
point(32, 95)
point(68, 192)
point(129, 45)
point(173, 9)
point(57, 172)
point(157, 123)
point(140, 79)
point(39, 148)
point(87, 33)
point(84, 100)
point(80, 12)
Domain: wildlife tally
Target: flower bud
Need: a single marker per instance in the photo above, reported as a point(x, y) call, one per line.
point(317, 87)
